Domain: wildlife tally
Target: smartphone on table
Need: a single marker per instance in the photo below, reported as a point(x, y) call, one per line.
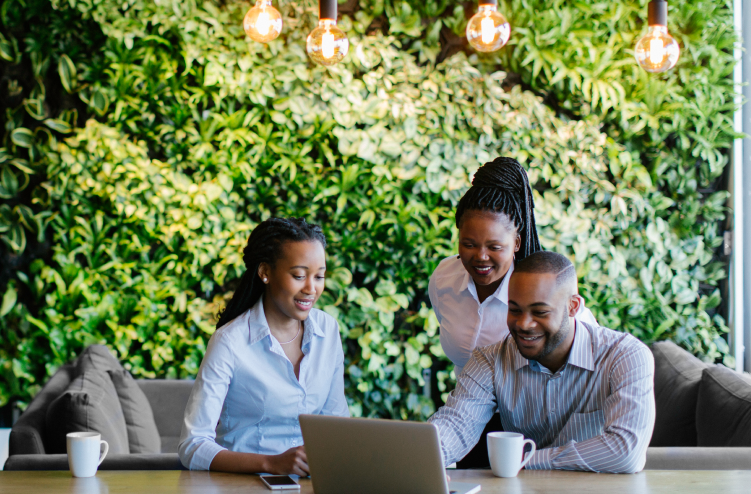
point(279, 482)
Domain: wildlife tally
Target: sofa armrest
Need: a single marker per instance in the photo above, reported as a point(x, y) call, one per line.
point(111, 462)
point(695, 458)
point(25, 440)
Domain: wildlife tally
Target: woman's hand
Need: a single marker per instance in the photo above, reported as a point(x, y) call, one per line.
point(293, 461)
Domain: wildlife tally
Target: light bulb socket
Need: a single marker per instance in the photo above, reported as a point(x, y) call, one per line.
point(658, 13)
point(488, 2)
point(327, 9)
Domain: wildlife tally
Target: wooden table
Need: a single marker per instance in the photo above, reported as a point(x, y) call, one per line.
point(158, 482)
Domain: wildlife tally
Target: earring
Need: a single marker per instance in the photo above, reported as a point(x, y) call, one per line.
point(265, 280)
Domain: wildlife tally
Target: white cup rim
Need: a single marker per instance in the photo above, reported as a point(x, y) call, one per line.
point(506, 435)
point(83, 435)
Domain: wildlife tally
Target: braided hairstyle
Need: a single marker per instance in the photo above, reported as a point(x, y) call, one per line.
point(502, 186)
point(265, 245)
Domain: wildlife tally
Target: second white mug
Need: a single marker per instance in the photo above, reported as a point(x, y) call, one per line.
point(506, 452)
point(85, 453)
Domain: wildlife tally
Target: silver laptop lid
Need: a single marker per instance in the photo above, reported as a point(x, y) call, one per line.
point(372, 456)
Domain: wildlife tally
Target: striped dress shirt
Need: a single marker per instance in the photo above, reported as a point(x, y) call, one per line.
point(596, 413)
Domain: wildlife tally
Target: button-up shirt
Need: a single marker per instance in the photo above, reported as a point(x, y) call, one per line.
point(465, 323)
point(596, 413)
point(246, 396)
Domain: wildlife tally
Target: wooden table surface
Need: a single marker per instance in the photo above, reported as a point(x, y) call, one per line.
point(158, 482)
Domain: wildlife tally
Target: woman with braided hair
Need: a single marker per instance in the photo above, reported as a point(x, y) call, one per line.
point(272, 357)
point(469, 292)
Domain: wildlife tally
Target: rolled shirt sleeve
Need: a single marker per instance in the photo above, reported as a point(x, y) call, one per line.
point(468, 408)
point(336, 402)
point(198, 445)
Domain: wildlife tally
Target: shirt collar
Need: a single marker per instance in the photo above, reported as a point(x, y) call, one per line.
point(501, 293)
point(258, 326)
point(581, 354)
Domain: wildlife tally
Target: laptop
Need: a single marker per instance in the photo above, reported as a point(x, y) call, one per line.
point(374, 456)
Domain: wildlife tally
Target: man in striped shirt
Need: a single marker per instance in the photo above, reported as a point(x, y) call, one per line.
point(584, 394)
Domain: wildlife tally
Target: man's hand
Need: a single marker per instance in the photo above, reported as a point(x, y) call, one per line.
point(293, 461)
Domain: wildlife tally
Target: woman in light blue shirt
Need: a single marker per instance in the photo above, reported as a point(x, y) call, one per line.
point(272, 358)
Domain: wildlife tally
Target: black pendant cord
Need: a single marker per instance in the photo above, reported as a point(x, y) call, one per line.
point(658, 13)
point(327, 9)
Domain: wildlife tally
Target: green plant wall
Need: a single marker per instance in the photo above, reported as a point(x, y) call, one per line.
point(143, 140)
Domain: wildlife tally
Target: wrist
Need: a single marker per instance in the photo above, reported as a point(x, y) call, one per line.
point(267, 464)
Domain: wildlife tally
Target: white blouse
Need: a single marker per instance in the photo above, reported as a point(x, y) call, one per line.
point(466, 323)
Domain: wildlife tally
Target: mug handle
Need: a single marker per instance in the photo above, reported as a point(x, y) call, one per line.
point(530, 454)
point(106, 450)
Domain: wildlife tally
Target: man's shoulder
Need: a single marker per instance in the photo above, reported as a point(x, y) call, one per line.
point(615, 345)
point(500, 352)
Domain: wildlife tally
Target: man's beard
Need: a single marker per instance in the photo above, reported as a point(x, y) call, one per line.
point(556, 340)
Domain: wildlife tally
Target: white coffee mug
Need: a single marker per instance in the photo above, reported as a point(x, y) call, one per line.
point(85, 453)
point(506, 452)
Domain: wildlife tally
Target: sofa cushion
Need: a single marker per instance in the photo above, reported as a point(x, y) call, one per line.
point(89, 404)
point(723, 412)
point(27, 435)
point(96, 357)
point(677, 378)
point(143, 436)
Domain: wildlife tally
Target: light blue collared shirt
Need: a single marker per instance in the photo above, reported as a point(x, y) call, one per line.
point(246, 397)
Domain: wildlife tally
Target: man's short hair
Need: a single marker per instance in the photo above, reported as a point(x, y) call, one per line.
point(546, 262)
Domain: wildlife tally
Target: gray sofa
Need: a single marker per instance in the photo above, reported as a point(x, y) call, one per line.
point(703, 420)
point(31, 445)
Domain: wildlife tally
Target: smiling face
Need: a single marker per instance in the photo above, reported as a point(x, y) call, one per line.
point(540, 316)
point(295, 281)
point(487, 243)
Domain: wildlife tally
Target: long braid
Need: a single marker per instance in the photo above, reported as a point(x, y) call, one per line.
point(502, 186)
point(265, 245)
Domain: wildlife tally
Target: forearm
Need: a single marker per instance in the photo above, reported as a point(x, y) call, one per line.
point(458, 436)
point(468, 408)
point(235, 462)
point(607, 453)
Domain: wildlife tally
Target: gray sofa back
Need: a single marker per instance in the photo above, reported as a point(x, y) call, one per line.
point(167, 397)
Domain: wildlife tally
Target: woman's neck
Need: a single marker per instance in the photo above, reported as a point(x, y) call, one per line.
point(485, 291)
point(279, 323)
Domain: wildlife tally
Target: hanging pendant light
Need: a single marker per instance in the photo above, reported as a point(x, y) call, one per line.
point(327, 44)
point(657, 51)
point(488, 30)
point(263, 23)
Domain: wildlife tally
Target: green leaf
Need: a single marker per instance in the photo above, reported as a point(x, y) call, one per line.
point(22, 137)
point(7, 51)
point(9, 300)
point(99, 102)
point(58, 125)
point(16, 239)
point(66, 69)
point(9, 183)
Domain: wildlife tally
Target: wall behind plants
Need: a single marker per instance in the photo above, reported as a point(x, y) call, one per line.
point(143, 140)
